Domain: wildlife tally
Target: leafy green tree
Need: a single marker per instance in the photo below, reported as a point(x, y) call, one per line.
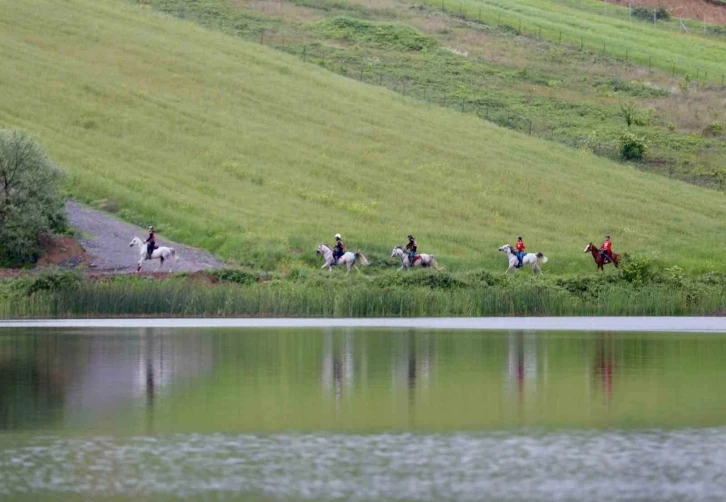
point(31, 200)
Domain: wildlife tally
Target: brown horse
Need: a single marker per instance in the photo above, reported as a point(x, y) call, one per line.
point(597, 256)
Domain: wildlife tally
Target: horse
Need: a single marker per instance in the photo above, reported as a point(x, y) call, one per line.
point(421, 260)
point(598, 257)
point(161, 253)
point(528, 258)
point(348, 259)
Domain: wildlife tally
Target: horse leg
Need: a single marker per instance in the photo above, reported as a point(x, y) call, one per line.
point(161, 263)
point(138, 266)
point(508, 269)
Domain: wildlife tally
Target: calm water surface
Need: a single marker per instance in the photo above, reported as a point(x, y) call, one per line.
point(351, 414)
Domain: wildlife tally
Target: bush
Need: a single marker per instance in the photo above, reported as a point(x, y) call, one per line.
point(50, 279)
point(646, 13)
point(632, 147)
point(235, 275)
point(638, 269)
point(30, 201)
point(715, 128)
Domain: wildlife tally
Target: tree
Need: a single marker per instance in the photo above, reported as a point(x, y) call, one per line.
point(31, 201)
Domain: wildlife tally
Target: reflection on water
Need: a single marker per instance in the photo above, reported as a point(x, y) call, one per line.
point(147, 381)
point(362, 414)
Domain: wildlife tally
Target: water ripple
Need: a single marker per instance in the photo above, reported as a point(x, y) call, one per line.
point(507, 466)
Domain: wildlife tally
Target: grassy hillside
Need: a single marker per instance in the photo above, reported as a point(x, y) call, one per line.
point(258, 157)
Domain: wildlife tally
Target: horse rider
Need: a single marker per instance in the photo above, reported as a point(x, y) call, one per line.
point(606, 250)
point(520, 250)
point(150, 243)
point(339, 249)
point(411, 248)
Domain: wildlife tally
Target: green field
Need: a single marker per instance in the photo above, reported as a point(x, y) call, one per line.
point(259, 157)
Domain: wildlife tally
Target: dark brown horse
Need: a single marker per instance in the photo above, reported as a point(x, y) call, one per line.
point(598, 257)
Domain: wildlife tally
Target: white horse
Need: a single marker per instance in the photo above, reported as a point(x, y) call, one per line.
point(161, 253)
point(529, 258)
point(426, 260)
point(348, 259)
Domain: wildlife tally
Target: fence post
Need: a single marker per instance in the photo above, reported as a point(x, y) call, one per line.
point(262, 36)
point(304, 53)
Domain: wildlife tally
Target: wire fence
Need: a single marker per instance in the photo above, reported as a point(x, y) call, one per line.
point(358, 66)
point(513, 22)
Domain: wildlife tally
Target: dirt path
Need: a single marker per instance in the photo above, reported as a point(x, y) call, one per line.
point(107, 239)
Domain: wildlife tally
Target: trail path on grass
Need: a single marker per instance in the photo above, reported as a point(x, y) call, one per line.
point(107, 240)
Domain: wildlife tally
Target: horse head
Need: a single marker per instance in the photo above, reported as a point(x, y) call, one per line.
point(135, 242)
point(506, 248)
point(321, 249)
point(589, 248)
point(397, 251)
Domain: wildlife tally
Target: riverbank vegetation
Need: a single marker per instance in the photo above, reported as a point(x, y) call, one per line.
point(258, 156)
point(640, 288)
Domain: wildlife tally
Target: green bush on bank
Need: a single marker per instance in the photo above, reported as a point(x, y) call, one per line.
point(31, 201)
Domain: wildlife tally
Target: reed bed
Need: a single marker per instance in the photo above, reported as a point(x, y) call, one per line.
point(289, 299)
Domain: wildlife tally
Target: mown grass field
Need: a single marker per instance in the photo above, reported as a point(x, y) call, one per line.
point(259, 157)
point(501, 74)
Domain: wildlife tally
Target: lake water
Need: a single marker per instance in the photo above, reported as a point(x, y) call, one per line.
point(361, 414)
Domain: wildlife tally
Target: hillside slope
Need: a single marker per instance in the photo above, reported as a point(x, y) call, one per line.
point(258, 157)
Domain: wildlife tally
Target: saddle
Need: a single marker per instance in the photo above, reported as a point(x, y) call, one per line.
point(416, 258)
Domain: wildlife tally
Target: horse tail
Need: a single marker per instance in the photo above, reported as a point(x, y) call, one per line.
point(362, 259)
point(173, 253)
point(542, 257)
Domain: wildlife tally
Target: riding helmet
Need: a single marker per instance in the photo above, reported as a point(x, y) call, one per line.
point(519, 237)
point(410, 236)
point(337, 236)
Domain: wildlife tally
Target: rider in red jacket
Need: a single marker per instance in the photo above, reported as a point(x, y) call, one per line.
point(520, 250)
point(607, 248)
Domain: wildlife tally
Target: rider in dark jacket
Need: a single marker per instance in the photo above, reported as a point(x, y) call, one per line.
point(411, 248)
point(150, 243)
point(339, 249)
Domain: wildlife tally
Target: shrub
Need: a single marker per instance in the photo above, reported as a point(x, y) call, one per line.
point(646, 13)
point(632, 147)
point(30, 201)
point(50, 279)
point(715, 128)
point(235, 275)
point(638, 269)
